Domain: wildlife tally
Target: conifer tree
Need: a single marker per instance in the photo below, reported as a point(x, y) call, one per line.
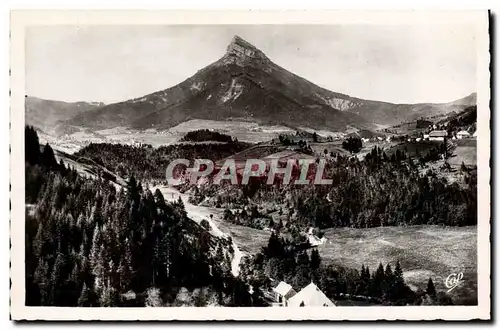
point(86, 297)
point(56, 280)
point(48, 158)
point(105, 296)
point(32, 146)
point(315, 259)
point(41, 278)
point(378, 281)
point(303, 273)
point(271, 223)
point(398, 273)
point(96, 250)
point(133, 190)
point(127, 267)
point(431, 290)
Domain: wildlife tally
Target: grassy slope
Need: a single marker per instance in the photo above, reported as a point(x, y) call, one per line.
point(249, 240)
point(412, 148)
point(466, 152)
point(423, 251)
point(87, 167)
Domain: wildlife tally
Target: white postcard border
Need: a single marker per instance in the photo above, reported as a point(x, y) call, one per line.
point(21, 19)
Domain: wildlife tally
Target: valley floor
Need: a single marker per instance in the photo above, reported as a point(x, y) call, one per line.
point(423, 251)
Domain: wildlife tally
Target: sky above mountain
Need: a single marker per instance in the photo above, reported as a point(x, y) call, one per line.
point(400, 64)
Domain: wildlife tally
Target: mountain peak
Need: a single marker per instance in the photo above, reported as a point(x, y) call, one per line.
point(241, 50)
point(239, 41)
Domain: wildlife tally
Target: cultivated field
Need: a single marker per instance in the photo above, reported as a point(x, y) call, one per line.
point(466, 152)
point(242, 130)
point(336, 147)
point(414, 149)
point(423, 251)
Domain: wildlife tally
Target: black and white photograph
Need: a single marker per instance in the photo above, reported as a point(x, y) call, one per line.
point(307, 170)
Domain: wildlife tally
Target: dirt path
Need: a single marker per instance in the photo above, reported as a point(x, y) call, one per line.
point(198, 213)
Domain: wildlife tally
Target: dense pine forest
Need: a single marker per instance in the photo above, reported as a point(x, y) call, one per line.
point(206, 135)
point(380, 190)
point(149, 164)
point(89, 243)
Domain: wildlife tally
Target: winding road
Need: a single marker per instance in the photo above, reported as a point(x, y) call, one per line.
point(198, 213)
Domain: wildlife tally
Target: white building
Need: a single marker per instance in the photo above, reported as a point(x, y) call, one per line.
point(284, 292)
point(310, 296)
point(315, 240)
point(463, 135)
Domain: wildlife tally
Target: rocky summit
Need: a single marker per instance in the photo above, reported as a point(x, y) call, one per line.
point(245, 85)
point(240, 52)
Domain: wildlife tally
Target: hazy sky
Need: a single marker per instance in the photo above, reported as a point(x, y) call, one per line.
point(402, 64)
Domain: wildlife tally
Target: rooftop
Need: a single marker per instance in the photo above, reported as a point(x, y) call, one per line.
point(283, 288)
point(438, 133)
point(311, 295)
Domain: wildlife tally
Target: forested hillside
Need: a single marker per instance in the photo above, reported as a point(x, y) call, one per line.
point(377, 191)
point(147, 163)
point(206, 135)
point(88, 244)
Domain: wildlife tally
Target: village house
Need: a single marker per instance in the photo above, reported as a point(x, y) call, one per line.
point(314, 240)
point(463, 135)
point(310, 296)
point(438, 135)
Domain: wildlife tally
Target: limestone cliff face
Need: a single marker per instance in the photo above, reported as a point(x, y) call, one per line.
point(343, 104)
point(241, 52)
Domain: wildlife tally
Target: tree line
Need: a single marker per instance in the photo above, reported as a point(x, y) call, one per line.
point(207, 135)
point(91, 244)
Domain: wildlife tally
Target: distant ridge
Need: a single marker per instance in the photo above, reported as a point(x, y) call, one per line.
point(48, 114)
point(244, 84)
